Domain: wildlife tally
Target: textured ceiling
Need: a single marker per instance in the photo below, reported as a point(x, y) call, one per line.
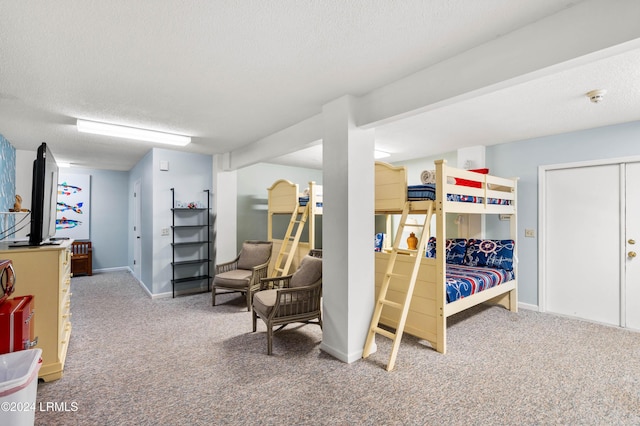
point(230, 73)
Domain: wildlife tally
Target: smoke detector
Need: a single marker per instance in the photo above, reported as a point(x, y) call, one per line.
point(596, 96)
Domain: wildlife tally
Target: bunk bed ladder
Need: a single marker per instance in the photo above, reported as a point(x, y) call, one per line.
point(403, 306)
point(290, 242)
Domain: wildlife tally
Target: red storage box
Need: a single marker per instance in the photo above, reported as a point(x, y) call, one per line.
point(7, 280)
point(17, 324)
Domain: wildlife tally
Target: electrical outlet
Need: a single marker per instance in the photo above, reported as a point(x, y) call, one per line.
point(164, 232)
point(530, 233)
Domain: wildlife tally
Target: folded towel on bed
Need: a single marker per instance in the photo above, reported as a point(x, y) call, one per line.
point(428, 176)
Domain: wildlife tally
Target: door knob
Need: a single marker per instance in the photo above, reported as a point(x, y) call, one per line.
point(632, 241)
point(632, 254)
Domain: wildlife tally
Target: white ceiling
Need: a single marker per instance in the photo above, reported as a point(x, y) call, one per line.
point(230, 73)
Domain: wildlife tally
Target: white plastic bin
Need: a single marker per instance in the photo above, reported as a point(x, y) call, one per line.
point(19, 386)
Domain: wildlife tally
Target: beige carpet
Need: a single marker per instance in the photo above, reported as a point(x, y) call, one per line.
point(137, 361)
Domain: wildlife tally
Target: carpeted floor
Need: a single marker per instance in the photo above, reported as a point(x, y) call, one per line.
point(137, 361)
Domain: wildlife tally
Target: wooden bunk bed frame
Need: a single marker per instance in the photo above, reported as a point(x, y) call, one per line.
point(428, 309)
point(283, 199)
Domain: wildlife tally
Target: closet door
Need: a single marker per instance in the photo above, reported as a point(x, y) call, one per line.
point(583, 249)
point(632, 246)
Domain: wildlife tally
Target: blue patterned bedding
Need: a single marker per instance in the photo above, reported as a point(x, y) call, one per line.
point(303, 201)
point(463, 281)
point(428, 192)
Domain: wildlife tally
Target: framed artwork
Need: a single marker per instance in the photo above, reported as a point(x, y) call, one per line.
point(74, 206)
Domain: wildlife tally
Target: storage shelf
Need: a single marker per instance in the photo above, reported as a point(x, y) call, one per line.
point(188, 279)
point(189, 243)
point(201, 218)
point(190, 262)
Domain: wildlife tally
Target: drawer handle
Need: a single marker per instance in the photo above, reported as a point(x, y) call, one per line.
point(29, 345)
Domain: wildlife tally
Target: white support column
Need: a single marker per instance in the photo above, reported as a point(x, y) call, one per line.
point(225, 206)
point(348, 226)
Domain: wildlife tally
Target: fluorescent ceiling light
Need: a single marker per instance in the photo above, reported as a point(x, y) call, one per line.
point(131, 133)
point(380, 154)
point(63, 164)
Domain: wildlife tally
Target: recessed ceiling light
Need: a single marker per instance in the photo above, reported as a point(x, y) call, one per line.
point(126, 132)
point(380, 154)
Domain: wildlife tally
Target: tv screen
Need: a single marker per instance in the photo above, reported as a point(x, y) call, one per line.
point(44, 196)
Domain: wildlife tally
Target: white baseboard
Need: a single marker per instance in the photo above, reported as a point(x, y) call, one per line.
point(528, 306)
point(119, 268)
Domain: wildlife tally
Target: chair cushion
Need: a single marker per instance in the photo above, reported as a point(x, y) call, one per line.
point(264, 301)
point(237, 278)
point(309, 271)
point(254, 254)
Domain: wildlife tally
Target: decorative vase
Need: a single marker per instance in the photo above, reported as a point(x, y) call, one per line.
point(412, 241)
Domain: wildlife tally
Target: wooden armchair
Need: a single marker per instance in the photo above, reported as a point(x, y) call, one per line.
point(81, 258)
point(243, 274)
point(291, 298)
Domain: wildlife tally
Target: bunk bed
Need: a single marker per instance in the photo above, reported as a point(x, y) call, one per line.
point(284, 198)
point(425, 291)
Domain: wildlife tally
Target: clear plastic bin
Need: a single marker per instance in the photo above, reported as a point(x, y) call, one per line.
point(19, 386)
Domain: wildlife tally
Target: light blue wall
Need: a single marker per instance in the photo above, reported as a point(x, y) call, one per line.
point(253, 182)
point(7, 182)
point(109, 216)
point(523, 158)
point(189, 174)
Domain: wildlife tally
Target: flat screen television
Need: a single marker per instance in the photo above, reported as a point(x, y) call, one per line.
point(44, 199)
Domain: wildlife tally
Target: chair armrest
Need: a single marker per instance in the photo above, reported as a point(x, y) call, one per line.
point(227, 266)
point(259, 272)
point(298, 300)
point(275, 282)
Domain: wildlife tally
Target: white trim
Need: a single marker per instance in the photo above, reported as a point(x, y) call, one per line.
point(622, 179)
point(542, 243)
point(118, 268)
point(528, 307)
point(591, 163)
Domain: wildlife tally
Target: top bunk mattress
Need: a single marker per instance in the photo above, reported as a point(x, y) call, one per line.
point(428, 192)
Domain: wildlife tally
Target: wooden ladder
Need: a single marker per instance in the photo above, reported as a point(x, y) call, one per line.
point(403, 307)
point(291, 240)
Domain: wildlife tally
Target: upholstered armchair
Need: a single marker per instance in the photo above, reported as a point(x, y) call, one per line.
point(291, 298)
point(243, 274)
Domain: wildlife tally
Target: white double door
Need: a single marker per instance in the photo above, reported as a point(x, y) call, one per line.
point(591, 225)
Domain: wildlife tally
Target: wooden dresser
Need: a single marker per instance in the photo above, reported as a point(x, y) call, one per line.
point(45, 272)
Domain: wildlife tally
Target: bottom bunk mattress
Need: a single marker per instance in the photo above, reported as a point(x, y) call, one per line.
point(463, 281)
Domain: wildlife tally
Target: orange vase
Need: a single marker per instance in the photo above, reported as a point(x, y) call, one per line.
point(412, 241)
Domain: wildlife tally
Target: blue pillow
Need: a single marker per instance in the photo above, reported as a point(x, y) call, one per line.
point(490, 253)
point(454, 251)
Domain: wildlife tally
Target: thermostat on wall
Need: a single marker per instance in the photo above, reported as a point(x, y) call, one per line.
point(164, 166)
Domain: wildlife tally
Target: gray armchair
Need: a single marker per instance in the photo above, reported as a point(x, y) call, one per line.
point(291, 298)
point(243, 274)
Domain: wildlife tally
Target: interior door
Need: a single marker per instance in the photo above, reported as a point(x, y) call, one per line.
point(582, 251)
point(632, 246)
